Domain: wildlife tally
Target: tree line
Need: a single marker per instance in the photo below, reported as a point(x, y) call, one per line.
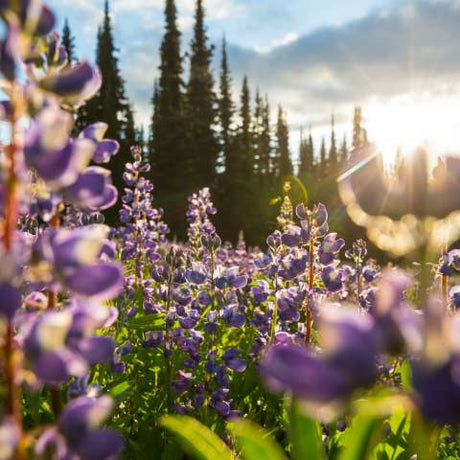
point(200, 136)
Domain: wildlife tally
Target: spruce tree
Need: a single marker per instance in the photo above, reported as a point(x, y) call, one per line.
point(344, 151)
point(168, 151)
point(154, 122)
point(257, 129)
point(244, 133)
point(110, 104)
point(333, 155)
point(303, 154)
point(359, 132)
point(265, 140)
point(226, 107)
point(68, 42)
point(282, 136)
point(322, 166)
point(201, 112)
point(311, 149)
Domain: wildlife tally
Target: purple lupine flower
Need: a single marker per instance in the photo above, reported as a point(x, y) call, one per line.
point(230, 277)
point(233, 316)
point(332, 278)
point(292, 236)
point(346, 363)
point(450, 262)
point(75, 84)
point(10, 435)
point(81, 387)
point(182, 383)
point(92, 190)
point(232, 361)
point(10, 300)
point(454, 294)
point(61, 344)
point(398, 326)
point(38, 18)
point(78, 434)
point(48, 148)
point(105, 148)
point(260, 292)
point(294, 264)
point(289, 303)
point(329, 248)
point(153, 339)
point(75, 256)
point(438, 389)
point(435, 368)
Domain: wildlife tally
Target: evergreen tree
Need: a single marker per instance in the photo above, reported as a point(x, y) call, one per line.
point(110, 104)
point(201, 114)
point(226, 107)
point(257, 130)
point(170, 157)
point(344, 151)
point(68, 42)
point(311, 149)
point(306, 158)
point(245, 120)
point(154, 122)
point(333, 155)
point(359, 132)
point(322, 166)
point(242, 166)
point(282, 136)
point(129, 127)
point(265, 140)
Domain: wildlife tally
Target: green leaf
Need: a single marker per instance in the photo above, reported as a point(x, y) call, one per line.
point(423, 437)
point(120, 388)
point(366, 429)
point(362, 436)
point(147, 322)
point(196, 439)
point(406, 375)
point(255, 442)
point(305, 434)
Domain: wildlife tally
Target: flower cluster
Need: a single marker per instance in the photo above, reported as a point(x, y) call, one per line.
point(55, 280)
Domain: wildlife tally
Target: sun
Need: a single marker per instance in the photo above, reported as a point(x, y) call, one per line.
point(407, 122)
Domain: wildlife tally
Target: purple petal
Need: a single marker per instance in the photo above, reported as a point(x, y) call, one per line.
point(95, 131)
point(97, 349)
point(100, 444)
point(10, 300)
point(105, 150)
point(101, 280)
point(296, 369)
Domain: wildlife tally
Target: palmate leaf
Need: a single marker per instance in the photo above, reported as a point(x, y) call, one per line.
point(196, 439)
point(256, 443)
point(305, 434)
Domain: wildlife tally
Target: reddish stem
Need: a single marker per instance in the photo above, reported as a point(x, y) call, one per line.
point(56, 400)
point(12, 402)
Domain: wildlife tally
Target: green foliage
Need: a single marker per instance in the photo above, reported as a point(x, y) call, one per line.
point(195, 438)
point(305, 434)
point(256, 443)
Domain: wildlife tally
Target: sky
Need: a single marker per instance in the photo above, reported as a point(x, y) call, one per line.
point(398, 59)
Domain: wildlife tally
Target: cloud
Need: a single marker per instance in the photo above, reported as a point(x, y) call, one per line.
point(410, 47)
point(405, 47)
point(283, 41)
